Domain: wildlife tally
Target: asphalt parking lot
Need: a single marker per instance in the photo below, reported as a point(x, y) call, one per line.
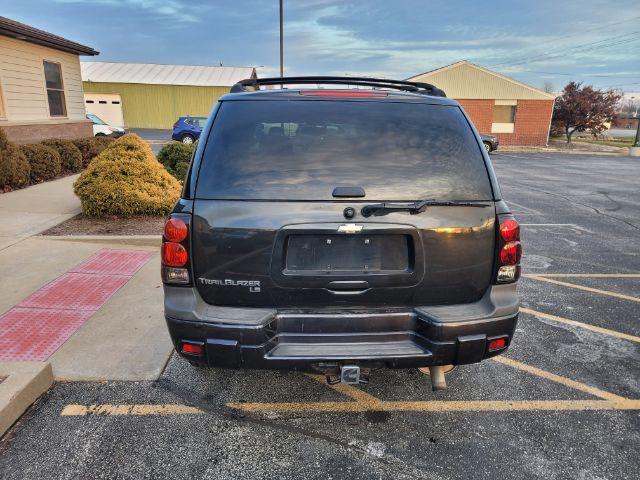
point(562, 403)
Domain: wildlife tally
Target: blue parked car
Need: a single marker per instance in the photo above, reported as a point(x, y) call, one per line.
point(188, 129)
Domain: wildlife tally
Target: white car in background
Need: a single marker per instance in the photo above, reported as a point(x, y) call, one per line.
point(101, 128)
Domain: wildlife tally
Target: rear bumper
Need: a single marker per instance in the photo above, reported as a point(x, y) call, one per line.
point(299, 340)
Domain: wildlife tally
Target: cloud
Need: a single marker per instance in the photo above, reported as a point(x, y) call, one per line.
point(177, 10)
point(376, 37)
point(372, 38)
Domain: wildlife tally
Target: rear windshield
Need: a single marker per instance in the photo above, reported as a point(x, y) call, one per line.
point(302, 150)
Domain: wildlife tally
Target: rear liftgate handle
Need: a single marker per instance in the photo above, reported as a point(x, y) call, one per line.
point(346, 287)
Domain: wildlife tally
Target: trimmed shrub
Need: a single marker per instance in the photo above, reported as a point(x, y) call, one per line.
point(181, 170)
point(176, 157)
point(3, 140)
point(14, 167)
point(44, 161)
point(70, 156)
point(126, 179)
point(103, 141)
point(91, 147)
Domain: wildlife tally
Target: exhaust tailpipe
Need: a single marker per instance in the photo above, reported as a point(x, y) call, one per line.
point(438, 382)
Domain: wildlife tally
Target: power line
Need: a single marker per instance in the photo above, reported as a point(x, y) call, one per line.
point(582, 32)
point(573, 51)
point(597, 45)
point(606, 25)
point(624, 84)
point(580, 74)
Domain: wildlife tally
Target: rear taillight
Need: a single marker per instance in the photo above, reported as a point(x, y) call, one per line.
point(174, 253)
point(510, 230)
point(495, 344)
point(510, 253)
point(175, 230)
point(176, 125)
point(195, 349)
point(509, 250)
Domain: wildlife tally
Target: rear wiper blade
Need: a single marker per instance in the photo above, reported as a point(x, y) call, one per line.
point(412, 207)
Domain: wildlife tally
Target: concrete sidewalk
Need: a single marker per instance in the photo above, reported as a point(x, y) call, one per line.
point(126, 339)
point(34, 209)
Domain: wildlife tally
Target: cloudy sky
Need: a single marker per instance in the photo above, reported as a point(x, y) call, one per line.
point(595, 41)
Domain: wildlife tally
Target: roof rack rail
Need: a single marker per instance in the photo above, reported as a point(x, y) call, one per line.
point(415, 87)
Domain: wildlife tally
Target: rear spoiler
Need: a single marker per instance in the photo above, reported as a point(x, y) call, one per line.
point(251, 84)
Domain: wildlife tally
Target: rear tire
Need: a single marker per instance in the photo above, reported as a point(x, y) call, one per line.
point(487, 147)
point(188, 139)
point(100, 135)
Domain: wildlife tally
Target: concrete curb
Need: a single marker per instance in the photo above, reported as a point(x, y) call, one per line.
point(142, 240)
point(557, 150)
point(23, 385)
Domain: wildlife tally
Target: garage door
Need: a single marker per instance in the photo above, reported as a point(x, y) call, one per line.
point(107, 106)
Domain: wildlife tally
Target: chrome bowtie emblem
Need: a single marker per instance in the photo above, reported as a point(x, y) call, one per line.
point(350, 228)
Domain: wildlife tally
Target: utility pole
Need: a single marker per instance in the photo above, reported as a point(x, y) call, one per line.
point(281, 45)
point(637, 117)
point(634, 151)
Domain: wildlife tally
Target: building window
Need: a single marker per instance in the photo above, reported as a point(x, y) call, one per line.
point(55, 89)
point(504, 116)
point(2, 112)
point(1, 101)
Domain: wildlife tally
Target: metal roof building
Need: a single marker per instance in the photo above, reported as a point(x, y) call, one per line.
point(144, 95)
point(517, 113)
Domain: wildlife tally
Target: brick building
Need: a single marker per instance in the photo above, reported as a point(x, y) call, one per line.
point(517, 113)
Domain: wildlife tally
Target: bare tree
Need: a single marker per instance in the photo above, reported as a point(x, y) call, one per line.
point(548, 87)
point(581, 109)
point(629, 105)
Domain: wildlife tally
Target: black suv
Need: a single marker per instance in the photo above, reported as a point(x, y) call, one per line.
point(338, 230)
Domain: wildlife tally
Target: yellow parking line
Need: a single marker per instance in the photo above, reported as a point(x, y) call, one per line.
point(583, 275)
point(351, 392)
point(336, 407)
point(364, 402)
point(129, 409)
point(558, 379)
point(441, 406)
point(586, 326)
point(586, 289)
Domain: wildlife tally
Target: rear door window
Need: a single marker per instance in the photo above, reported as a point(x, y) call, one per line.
point(303, 149)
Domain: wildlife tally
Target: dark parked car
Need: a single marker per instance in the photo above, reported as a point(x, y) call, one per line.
point(188, 129)
point(490, 142)
point(340, 230)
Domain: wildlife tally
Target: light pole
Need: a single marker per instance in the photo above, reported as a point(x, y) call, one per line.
point(636, 143)
point(281, 45)
point(634, 151)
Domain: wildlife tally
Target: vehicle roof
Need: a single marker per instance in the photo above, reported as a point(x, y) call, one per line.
point(294, 93)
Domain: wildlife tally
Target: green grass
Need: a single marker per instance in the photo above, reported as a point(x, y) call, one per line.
point(615, 142)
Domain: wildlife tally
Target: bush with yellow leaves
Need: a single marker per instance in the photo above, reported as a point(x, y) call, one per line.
point(126, 179)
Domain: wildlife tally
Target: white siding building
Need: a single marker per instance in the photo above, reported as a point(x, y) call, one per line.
point(40, 84)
